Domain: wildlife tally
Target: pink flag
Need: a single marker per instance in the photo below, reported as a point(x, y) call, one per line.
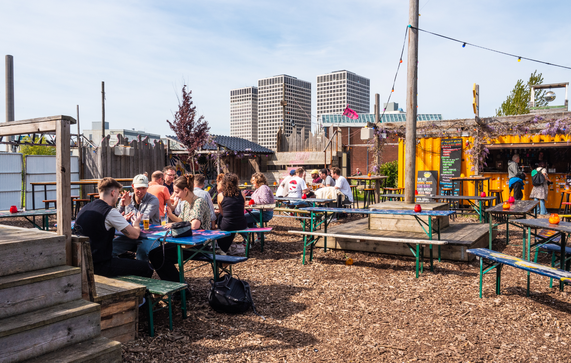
point(350, 113)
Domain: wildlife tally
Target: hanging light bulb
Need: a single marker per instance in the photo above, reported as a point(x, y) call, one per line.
point(519, 59)
point(464, 45)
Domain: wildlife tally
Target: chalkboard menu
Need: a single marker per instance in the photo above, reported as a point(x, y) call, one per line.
point(450, 161)
point(426, 184)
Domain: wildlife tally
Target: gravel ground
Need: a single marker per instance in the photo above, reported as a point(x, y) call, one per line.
point(374, 310)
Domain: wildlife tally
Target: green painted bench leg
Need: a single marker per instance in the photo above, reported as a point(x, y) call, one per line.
point(498, 279)
point(151, 322)
point(417, 258)
point(181, 277)
point(247, 245)
point(170, 312)
point(552, 265)
point(481, 275)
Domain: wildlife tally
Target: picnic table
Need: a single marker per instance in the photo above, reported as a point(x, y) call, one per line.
point(261, 208)
point(44, 213)
point(313, 201)
point(404, 212)
point(376, 178)
point(76, 182)
point(201, 242)
point(478, 208)
point(559, 237)
point(478, 183)
point(519, 208)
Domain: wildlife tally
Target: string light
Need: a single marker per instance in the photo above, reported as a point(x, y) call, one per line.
point(464, 45)
point(489, 49)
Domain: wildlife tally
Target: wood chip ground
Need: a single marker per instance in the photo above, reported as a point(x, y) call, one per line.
point(372, 311)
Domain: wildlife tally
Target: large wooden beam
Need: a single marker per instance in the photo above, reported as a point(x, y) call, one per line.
point(34, 125)
point(63, 180)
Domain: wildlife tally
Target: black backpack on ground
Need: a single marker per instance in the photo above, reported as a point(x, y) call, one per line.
point(538, 178)
point(230, 295)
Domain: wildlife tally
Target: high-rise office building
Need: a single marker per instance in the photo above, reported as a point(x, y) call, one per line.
point(270, 112)
point(338, 89)
point(244, 113)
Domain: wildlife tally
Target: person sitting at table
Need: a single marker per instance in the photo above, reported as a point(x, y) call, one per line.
point(99, 220)
point(315, 179)
point(539, 192)
point(194, 210)
point(282, 188)
point(297, 186)
point(343, 186)
point(358, 172)
point(157, 188)
point(326, 180)
point(201, 193)
point(231, 207)
point(516, 177)
point(262, 195)
point(145, 203)
point(170, 175)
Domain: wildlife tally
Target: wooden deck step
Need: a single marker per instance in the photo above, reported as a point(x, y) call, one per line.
point(28, 249)
point(33, 290)
point(90, 351)
point(36, 333)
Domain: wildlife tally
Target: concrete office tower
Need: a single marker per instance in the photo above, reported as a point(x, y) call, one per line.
point(244, 113)
point(338, 89)
point(270, 111)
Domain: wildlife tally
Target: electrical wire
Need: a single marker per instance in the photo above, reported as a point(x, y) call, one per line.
point(490, 49)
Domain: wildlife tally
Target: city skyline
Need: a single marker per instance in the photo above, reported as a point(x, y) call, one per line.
point(146, 52)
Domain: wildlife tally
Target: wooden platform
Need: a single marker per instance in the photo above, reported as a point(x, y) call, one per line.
point(460, 237)
point(391, 223)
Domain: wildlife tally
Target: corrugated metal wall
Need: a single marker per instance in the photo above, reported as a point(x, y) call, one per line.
point(41, 168)
point(10, 180)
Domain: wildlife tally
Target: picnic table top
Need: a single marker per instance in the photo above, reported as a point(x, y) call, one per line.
point(564, 227)
point(364, 177)
point(468, 178)
point(29, 213)
point(404, 212)
point(199, 236)
point(519, 207)
point(261, 206)
point(460, 197)
point(312, 200)
point(522, 264)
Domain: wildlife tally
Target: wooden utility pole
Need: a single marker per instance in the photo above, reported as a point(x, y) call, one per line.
point(377, 126)
point(102, 110)
point(411, 103)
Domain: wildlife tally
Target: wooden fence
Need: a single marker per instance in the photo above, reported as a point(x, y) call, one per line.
point(296, 141)
point(124, 160)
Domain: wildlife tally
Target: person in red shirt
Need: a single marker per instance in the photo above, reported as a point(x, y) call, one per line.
point(157, 188)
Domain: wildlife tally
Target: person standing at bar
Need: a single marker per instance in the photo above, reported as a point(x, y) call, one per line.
point(516, 177)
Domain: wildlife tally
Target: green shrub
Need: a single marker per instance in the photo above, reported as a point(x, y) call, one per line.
point(391, 170)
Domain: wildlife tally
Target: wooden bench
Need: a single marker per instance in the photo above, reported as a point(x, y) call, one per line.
point(249, 232)
point(554, 249)
point(223, 262)
point(164, 291)
point(500, 259)
point(416, 252)
point(120, 297)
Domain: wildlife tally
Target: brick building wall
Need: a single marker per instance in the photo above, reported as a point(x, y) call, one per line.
point(358, 149)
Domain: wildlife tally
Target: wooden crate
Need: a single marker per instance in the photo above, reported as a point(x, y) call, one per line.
point(119, 307)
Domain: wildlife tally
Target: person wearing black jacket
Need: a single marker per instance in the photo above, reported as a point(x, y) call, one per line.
point(99, 220)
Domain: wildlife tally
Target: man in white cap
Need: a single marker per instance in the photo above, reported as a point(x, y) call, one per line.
point(148, 205)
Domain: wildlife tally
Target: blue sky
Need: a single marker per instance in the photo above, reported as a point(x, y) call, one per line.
point(146, 50)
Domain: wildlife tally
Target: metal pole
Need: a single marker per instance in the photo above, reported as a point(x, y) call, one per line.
point(79, 150)
point(102, 110)
point(411, 102)
point(10, 94)
point(377, 141)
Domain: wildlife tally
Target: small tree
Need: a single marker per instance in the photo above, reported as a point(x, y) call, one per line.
point(517, 102)
point(42, 149)
point(192, 132)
